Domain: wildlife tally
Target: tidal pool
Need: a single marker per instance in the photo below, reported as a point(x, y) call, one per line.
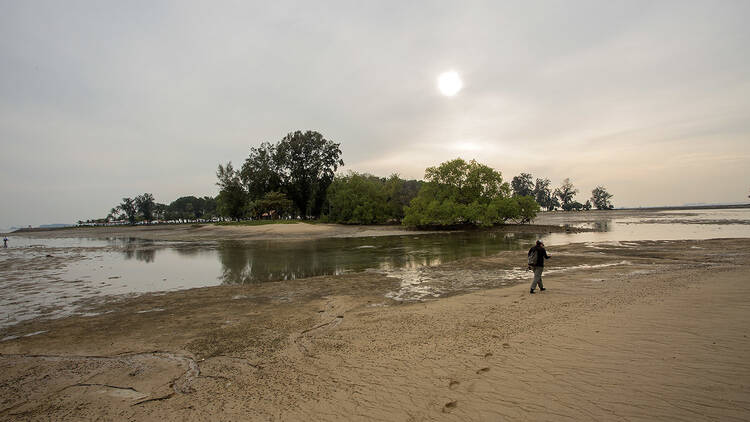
point(83, 269)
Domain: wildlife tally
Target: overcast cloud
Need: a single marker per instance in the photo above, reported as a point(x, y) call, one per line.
point(100, 100)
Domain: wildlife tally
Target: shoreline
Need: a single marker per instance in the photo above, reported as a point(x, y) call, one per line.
point(298, 231)
point(308, 349)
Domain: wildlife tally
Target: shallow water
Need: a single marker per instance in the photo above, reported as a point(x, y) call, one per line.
point(102, 267)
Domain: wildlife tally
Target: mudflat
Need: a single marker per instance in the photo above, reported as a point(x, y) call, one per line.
point(626, 331)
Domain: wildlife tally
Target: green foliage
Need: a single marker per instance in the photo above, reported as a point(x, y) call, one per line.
point(261, 172)
point(459, 192)
point(601, 198)
point(145, 204)
point(276, 204)
point(307, 162)
point(543, 195)
point(565, 193)
point(190, 207)
point(128, 207)
point(528, 209)
point(359, 198)
point(301, 165)
point(522, 185)
point(233, 200)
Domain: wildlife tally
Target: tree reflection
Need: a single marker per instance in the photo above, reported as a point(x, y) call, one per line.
point(142, 250)
point(245, 263)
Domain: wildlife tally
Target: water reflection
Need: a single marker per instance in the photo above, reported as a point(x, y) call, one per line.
point(244, 263)
point(141, 250)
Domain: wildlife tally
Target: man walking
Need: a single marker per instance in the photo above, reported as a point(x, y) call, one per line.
point(537, 255)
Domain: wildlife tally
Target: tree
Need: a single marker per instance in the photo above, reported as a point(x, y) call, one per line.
point(528, 208)
point(307, 163)
point(261, 173)
point(468, 181)
point(459, 192)
point(128, 207)
point(565, 193)
point(358, 198)
point(275, 203)
point(522, 185)
point(191, 207)
point(543, 195)
point(587, 205)
point(145, 204)
point(160, 211)
point(114, 214)
point(601, 198)
point(233, 200)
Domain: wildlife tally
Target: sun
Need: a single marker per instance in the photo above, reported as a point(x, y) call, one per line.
point(449, 83)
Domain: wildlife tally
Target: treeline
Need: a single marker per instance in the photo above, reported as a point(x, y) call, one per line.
point(295, 178)
point(143, 208)
point(285, 179)
point(562, 197)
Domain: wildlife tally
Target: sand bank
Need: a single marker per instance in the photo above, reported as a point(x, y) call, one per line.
point(646, 330)
point(212, 232)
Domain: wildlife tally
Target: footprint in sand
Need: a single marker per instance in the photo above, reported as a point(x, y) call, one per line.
point(453, 385)
point(487, 355)
point(506, 345)
point(482, 370)
point(450, 406)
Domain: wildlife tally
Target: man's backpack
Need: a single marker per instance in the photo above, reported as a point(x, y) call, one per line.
point(533, 256)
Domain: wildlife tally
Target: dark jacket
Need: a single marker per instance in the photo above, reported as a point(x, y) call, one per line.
point(541, 255)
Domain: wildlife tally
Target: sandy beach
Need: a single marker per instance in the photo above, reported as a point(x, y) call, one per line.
point(636, 331)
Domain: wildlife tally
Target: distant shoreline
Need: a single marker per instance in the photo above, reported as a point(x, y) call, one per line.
point(379, 228)
point(301, 231)
point(686, 207)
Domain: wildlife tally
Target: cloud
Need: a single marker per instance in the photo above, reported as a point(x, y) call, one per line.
point(100, 101)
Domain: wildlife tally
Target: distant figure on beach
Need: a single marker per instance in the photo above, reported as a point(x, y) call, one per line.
point(537, 255)
point(5, 242)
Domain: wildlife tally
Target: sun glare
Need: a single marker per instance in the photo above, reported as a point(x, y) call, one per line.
point(449, 83)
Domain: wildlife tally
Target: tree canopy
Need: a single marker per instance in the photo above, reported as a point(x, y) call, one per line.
point(360, 198)
point(232, 201)
point(601, 198)
point(566, 194)
point(458, 192)
point(523, 185)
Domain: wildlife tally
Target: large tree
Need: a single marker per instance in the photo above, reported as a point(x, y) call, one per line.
point(145, 204)
point(543, 195)
point(601, 198)
point(233, 200)
point(522, 185)
point(358, 198)
point(566, 194)
point(459, 192)
point(469, 181)
point(307, 163)
point(128, 207)
point(261, 173)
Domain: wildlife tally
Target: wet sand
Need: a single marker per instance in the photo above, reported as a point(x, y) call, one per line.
point(631, 331)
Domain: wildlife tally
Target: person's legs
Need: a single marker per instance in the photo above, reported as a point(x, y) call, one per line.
point(539, 282)
point(537, 277)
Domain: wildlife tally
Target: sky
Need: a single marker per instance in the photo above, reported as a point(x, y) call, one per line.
point(100, 100)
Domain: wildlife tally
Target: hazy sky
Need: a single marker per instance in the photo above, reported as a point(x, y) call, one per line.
point(100, 100)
